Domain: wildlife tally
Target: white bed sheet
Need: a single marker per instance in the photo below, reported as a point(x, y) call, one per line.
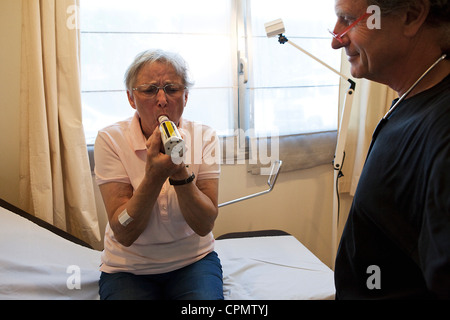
point(38, 264)
point(273, 268)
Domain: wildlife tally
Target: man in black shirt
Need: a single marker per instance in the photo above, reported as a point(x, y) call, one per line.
point(396, 242)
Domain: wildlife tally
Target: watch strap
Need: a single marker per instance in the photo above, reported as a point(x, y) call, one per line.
point(182, 182)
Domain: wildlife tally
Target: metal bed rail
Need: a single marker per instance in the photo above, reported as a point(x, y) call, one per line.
point(275, 170)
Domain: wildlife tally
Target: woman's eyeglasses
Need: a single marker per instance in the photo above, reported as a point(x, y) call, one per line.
point(151, 90)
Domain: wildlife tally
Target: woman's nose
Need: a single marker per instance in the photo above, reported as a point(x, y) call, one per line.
point(161, 98)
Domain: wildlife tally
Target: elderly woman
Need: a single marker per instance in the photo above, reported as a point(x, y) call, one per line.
point(158, 242)
point(396, 242)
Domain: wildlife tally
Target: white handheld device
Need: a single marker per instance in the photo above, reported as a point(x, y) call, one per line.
point(171, 138)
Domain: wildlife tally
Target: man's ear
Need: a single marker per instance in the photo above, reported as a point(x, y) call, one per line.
point(131, 99)
point(415, 17)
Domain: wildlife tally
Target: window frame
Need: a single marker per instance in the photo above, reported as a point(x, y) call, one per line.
point(291, 147)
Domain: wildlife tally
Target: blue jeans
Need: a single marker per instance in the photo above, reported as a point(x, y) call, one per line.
point(201, 280)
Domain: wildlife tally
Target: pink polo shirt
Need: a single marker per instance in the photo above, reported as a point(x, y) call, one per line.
point(168, 243)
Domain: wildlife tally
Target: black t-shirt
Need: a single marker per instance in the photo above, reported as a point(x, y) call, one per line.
point(396, 242)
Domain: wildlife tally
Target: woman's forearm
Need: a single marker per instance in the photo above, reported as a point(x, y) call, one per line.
point(198, 204)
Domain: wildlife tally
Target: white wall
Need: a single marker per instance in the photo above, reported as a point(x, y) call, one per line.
point(300, 204)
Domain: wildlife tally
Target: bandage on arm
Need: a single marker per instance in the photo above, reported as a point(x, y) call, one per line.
point(124, 218)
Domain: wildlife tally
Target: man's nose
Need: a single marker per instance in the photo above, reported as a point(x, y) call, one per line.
point(338, 42)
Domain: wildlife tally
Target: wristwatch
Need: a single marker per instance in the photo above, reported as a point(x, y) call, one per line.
point(181, 182)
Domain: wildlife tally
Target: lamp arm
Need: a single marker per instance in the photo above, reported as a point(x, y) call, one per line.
point(282, 39)
point(348, 102)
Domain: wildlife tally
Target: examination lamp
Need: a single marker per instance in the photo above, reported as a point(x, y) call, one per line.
point(275, 28)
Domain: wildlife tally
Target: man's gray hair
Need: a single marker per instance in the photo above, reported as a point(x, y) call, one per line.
point(438, 16)
point(150, 56)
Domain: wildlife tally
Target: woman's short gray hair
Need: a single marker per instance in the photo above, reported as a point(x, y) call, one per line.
point(150, 56)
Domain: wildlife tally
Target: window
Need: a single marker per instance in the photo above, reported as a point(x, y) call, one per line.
point(290, 92)
point(113, 32)
point(287, 92)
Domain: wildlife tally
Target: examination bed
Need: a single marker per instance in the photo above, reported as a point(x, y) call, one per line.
point(38, 261)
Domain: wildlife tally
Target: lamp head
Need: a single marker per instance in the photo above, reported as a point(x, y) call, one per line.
point(274, 28)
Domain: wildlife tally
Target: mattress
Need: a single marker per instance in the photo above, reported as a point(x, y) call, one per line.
point(273, 268)
point(36, 263)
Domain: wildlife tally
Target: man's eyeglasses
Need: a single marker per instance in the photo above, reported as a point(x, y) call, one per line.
point(338, 36)
point(151, 90)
